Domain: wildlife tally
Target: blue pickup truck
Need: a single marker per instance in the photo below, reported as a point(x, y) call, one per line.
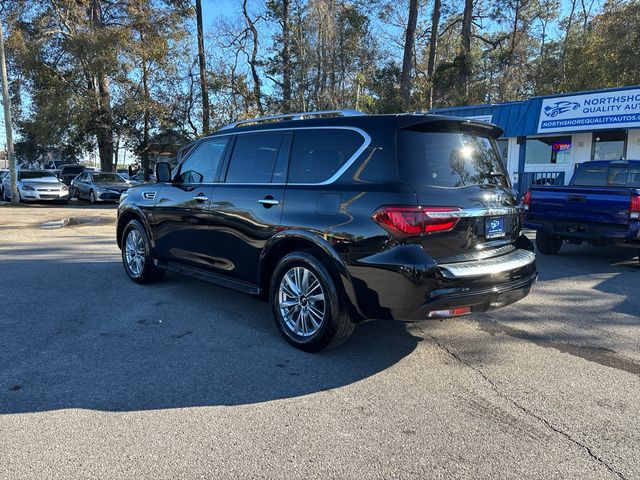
point(601, 206)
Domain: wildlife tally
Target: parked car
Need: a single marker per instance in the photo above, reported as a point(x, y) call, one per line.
point(34, 185)
point(336, 218)
point(98, 186)
point(138, 179)
point(56, 164)
point(3, 173)
point(69, 172)
point(123, 172)
point(600, 206)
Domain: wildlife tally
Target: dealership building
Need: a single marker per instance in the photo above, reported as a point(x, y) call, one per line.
point(546, 137)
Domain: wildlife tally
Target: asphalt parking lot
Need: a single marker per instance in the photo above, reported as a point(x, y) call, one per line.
point(102, 378)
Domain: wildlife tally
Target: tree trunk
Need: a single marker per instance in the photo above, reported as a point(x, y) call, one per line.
point(147, 116)
point(203, 69)
point(286, 59)
point(407, 60)
point(433, 47)
point(253, 61)
point(104, 131)
point(465, 50)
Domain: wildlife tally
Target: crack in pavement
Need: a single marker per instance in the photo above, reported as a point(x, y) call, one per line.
point(526, 411)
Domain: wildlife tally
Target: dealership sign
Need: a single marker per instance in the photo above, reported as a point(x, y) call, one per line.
point(592, 111)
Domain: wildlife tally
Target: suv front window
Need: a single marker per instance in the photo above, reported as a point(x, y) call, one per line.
point(202, 165)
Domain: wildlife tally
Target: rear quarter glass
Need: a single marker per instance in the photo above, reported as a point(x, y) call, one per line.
point(446, 158)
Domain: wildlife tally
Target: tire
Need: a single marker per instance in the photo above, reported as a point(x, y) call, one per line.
point(74, 193)
point(299, 323)
point(92, 197)
point(141, 270)
point(548, 244)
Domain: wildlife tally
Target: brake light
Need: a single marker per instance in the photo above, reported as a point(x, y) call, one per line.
point(408, 221)
point(526, 200)
point(634, 206)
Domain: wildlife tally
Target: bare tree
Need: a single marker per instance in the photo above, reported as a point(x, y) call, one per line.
point(203, 69)
point(407, 60)
point(433, 47)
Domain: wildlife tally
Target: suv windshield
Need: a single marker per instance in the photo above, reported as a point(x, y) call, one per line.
point(72, 170)
point(449, 159)
point(107, 178)
point(35, 174)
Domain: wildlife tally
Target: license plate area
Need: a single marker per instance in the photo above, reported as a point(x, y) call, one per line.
point(494, 227)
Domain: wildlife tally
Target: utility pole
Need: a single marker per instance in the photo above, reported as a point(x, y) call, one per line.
point(203, 69)
point(7, 120)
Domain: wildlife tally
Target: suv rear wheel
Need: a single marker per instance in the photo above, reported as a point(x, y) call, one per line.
point(548, 244)
point(136, 254)
point(306, 305)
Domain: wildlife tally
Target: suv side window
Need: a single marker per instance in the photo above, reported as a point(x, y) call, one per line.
point(254, 157)
point(317, 154)
point(202, 165)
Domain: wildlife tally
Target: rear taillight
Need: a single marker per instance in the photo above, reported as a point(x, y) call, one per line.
point(406, 221)
point(526, 200)
point(634, 206)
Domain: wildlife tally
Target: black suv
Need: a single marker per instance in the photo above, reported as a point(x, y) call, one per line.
point(70, 171)
point(336, 218)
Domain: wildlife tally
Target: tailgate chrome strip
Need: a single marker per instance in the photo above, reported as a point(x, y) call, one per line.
point(489, 266)
point(475, 212)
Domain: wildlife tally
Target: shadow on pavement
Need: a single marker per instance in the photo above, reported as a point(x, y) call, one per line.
point(83, 336)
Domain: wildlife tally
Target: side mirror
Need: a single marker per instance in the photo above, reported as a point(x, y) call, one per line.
point(163, 172)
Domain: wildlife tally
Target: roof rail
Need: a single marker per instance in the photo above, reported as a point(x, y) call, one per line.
point(294, 116)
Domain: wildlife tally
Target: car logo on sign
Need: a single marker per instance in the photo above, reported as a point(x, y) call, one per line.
point(495, 224)
point(560, 107)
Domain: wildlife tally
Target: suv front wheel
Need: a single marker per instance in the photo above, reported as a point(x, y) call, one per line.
point(136, 254)
point(306, 305)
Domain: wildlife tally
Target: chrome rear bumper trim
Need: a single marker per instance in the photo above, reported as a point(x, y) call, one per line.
point(489, 266)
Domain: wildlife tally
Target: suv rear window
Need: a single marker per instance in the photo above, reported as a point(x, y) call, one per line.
point(449, 159)
point(317, 154)
point(72, 170)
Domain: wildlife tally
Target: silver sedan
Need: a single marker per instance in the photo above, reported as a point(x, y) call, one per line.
point(36, 185)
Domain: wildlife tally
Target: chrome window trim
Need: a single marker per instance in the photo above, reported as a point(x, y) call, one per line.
point(489, 266)
point(332, 179)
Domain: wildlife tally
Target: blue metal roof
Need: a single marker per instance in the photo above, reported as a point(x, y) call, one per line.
point(517, 119)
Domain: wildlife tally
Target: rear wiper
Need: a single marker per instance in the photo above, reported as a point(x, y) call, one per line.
point(492, 174)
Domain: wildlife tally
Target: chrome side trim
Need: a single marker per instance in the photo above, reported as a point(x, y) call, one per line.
point(490, 266)
point(333, 178)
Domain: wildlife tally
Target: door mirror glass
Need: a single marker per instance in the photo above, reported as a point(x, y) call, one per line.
point(163, 172)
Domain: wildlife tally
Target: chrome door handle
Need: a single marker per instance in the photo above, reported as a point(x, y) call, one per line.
point(269, 202)
point(201, 198)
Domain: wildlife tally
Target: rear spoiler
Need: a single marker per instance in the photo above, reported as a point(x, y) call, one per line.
point(441, 122)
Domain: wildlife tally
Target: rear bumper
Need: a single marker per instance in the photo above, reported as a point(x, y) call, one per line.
point(409, 290)
point(589, 232)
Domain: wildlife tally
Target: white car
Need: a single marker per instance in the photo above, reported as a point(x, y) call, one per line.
point(35, 185)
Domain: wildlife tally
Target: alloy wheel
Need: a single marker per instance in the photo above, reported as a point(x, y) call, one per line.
point(301, 300)
point(135, 252)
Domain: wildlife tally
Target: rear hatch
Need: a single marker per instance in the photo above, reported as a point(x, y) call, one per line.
point(461, 184)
